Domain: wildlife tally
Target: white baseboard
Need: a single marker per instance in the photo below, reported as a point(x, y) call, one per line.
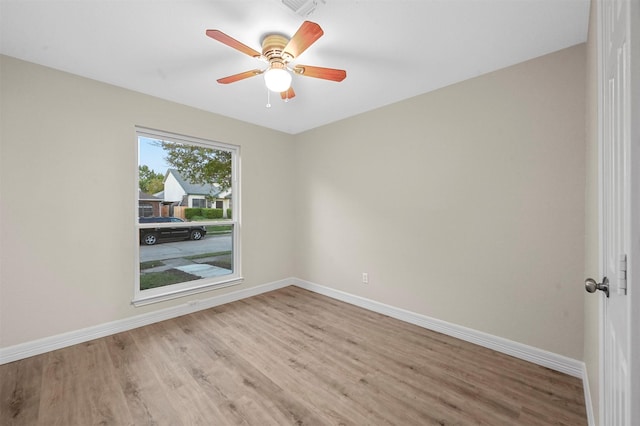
point(541, 357)
point(538, 356)
point(36, 347)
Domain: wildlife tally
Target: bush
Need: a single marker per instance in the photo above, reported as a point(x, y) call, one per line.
point(190, 212)
point(198, 213)
point(229, 215)
point(212, 213)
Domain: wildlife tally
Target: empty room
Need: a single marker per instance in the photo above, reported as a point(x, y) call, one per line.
point(319, 212)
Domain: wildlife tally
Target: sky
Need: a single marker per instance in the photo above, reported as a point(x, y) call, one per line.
point(151, 155)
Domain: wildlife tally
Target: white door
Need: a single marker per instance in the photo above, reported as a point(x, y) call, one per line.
point(617, 133)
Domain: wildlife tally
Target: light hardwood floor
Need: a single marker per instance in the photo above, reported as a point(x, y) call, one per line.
point(288, 357)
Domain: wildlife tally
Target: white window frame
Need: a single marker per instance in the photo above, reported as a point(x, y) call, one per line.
point(159, 294)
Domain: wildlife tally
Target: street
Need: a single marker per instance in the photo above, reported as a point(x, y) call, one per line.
point(177, 249)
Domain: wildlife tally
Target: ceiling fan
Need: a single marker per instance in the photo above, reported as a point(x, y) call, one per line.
point(278, 51)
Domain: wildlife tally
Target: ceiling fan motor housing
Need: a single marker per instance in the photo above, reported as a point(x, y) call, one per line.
point(273, 48)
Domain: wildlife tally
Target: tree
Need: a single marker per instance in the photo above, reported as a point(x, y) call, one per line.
point(149, 181)
point(199, 164)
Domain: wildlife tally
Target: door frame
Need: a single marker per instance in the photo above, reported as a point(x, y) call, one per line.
point(633, 210)
point(633, 268)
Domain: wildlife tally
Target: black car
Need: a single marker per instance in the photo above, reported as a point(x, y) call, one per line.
point(150, 236)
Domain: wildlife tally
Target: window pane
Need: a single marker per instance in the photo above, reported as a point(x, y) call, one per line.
point(145, 210)
point(185, 192)
point(176, 257)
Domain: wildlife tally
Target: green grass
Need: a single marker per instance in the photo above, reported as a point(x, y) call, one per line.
point(159, 279)
point(219, 229)
point(223, 263)
point(150, 264)
point(203, 255)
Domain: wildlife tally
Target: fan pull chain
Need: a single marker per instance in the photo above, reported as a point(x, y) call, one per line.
point(268, 99)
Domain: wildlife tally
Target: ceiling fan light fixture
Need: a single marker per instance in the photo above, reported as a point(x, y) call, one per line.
point(277, 79)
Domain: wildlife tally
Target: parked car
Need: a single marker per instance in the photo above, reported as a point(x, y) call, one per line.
point(150, 236)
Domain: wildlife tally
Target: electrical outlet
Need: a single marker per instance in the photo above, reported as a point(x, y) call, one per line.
point(365, 278)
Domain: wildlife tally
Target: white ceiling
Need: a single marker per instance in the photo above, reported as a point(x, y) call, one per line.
point(392, 50)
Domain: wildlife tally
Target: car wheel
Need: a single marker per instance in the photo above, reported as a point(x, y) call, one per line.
point(150, 239)
point(196, 234)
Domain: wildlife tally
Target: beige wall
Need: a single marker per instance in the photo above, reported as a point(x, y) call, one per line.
point(465, 204)
point(592, 269)
point(67, 166)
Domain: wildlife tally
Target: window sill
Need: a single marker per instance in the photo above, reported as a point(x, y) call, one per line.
point(142, 300)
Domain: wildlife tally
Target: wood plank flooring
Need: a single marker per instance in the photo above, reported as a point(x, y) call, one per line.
point(288, 357)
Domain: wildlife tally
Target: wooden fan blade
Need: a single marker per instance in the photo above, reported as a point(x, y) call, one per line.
point(306, 35)
point(232, 42)
point(288, 94)
point(320, 72)
point(238, 77)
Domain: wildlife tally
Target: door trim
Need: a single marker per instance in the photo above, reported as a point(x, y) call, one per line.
point(600, 73)
point(633, 257)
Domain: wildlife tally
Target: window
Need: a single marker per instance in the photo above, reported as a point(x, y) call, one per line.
point(199, 202)
point(185, 250)
point(145, 209)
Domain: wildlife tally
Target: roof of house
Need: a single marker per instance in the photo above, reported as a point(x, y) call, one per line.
point(143, 196)
point(193, 188)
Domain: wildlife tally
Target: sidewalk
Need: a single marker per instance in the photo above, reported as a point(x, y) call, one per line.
point(196, 267)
